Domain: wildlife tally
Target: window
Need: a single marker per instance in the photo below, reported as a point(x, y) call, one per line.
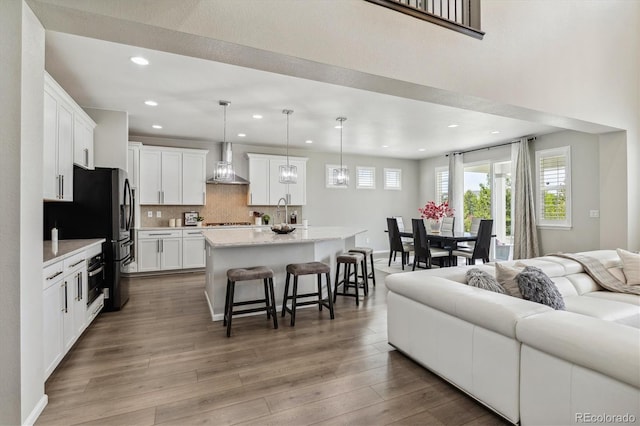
point(393, 179)
point(553, 171)
point(330, 178)
point(365, 177)
point(477, 193)
point(442, 184)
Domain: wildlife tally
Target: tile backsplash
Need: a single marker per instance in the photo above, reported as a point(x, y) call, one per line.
point(225, 203)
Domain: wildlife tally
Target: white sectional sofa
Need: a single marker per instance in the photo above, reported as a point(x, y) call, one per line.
point(526, 361)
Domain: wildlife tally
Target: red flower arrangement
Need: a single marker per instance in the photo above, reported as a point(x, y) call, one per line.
point(431, 210)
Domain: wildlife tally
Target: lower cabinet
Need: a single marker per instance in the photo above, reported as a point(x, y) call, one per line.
point(159, 250)
point(65, 311)
point(193, 249)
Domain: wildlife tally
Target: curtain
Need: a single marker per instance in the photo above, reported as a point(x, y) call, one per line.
point(456, 189)
point(525, 234)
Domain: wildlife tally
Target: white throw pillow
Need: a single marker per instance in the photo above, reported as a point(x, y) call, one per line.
point(630, 266)
point(506, 276)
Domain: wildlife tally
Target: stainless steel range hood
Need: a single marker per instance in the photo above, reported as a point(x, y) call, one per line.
point(227, 155)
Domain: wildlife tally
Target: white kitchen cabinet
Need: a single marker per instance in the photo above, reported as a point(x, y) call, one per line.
point(159, 250)
point(194, 178)
point(53, 310)
point(83, 140)
point(160, 176)
point(193, 249)
point(76, 277)
point(265, 187)
point(133, 164)
point(58, 143)
point(259, 180)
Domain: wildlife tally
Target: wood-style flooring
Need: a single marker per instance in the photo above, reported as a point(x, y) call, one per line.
point(162, 361)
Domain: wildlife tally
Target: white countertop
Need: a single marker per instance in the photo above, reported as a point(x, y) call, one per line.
point(236, 237)
point(164, 228)
point(66, 248)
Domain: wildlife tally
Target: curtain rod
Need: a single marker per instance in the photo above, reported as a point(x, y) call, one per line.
point(492, 146)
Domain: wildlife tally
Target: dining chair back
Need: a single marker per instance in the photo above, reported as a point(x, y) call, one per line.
point(475, 225)
point(448, 224)
point(395, 242)
point(482, 244)
point(421, 250)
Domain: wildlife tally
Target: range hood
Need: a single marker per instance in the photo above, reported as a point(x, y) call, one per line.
point(227, 155)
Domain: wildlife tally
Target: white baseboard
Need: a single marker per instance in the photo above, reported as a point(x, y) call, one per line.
point(37, 410)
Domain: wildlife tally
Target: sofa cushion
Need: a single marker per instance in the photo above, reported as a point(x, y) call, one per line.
point(506, 276)
point(493, 311)
point(583, 283)
point(598, 345)
point(565, 287)
point(632, 299)
point(630, 266)
point(608, 310)
point(536, 286)
point(483, 280)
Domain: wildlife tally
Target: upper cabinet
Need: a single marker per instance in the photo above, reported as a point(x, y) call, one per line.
point(172, 176)
point(83, 141)
point(265, 188)
point(68, 138)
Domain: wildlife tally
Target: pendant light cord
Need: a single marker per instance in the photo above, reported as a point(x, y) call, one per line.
point(288, 140)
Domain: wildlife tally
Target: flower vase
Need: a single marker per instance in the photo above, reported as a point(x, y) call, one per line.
point(258, 220)
point(434, 226)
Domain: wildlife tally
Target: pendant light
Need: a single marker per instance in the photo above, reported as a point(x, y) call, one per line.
point(288, 173)
point(224, 168)
point(341, 175)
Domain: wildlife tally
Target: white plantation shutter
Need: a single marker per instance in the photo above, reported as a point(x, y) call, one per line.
point(442, 184)
point(553, 171)
point(365, 177)
point(393, 179)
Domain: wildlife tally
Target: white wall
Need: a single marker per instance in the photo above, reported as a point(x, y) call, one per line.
point(584, 234)
point(349, 207)
point(22, 87)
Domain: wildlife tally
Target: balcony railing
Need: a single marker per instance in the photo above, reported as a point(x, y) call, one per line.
point(458, 15)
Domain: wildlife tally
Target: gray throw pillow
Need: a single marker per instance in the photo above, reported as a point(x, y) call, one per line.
point(484, 280)
point(537, 287)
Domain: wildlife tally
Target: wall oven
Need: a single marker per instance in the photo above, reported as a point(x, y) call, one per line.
point(95, 277)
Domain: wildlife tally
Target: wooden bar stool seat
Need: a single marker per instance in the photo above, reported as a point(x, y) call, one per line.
point(349, 261)
point(250, 274)
point(366, 252)
point(308, 268)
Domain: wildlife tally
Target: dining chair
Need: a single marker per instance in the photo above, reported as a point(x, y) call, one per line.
point(447, 224)
point(421, 250)
point(396, 244)
point(475, 225)
point(401, 229)
point(481, 248)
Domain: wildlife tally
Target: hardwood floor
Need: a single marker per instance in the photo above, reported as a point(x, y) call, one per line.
point(162, 361)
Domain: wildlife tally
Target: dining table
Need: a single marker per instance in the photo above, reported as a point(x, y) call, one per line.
point(445, 236)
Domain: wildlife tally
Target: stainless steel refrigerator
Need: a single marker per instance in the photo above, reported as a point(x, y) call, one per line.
point(102, 207)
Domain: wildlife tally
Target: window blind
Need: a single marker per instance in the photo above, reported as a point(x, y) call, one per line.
point(553, 175)
point(366, 177)
point(393, 179)
point(442, 185)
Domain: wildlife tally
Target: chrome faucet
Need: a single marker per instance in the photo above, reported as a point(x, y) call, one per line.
point(286, 209)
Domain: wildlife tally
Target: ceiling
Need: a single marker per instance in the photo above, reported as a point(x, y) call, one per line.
point(99, 74)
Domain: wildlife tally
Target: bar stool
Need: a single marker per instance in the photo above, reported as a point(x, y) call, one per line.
point(309, 268)
point(366, 252)
point(348, 259)
point(247, 274)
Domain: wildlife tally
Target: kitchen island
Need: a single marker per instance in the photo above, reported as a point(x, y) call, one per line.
point(243, 248)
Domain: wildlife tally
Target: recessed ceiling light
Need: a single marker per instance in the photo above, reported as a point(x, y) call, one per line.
point(338, 127)
point(139, 60)
point(257, 116)
point(157, 126)
point(308, 141)
point(242, 135)
point(421, 149)
point(385, 146)
point(452, 125)
point(495, 132)
point(151, 103)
